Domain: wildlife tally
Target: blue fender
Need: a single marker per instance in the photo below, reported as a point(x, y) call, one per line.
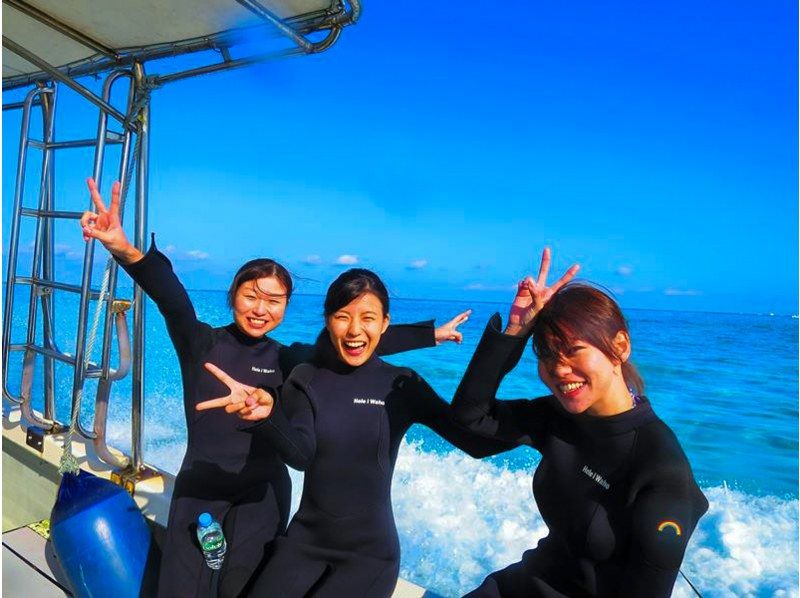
point(99, 536)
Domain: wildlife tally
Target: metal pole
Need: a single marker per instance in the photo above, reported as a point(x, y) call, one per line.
point(14, 235)
point(48, 270)
point(140, 224)
point(48, 68)
point(105, 360)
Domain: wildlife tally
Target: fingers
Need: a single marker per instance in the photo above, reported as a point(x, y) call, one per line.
point(456, 337)
point(544, 267)
point(460, 318)
point(115, 194)
point(87, 223)
point(97, 200)
point(220, 375)
point(213, 404)
point(568, 275)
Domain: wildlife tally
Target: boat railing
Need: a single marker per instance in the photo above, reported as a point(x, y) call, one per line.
point(311, 25)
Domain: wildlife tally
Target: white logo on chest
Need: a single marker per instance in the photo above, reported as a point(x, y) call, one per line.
point(261, 370)
point(596, 477)
point(358, 401)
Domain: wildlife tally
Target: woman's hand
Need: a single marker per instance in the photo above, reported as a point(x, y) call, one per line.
point(105, 226)
point(449, 331)
point(248, 402)
point(533, 294)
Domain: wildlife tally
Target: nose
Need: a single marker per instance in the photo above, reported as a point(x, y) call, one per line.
point(260, 308)
point(354, 327)
point(560, 367)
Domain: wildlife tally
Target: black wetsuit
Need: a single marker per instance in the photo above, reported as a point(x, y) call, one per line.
point(227, 472)
point(616, 493)
point(343, 427)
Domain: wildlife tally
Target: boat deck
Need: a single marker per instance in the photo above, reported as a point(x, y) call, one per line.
point(29, 566)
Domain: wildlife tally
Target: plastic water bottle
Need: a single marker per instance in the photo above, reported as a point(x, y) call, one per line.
point(212, 540)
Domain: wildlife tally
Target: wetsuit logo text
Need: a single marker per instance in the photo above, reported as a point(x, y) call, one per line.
point(357, 401)
point(596, 477)
point(262, 370)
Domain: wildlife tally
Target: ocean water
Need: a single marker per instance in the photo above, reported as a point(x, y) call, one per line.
point(727, 384)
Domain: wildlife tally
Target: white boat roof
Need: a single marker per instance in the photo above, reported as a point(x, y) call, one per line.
point(87, 36)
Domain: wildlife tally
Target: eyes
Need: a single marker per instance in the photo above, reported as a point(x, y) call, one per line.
point(366, 318)
point(270, 301)
point(573, 350)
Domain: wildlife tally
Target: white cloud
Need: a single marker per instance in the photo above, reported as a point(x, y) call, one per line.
point(170, 249)
point(196, 254)
point(347, 260)
point(417, 264)
point(682, 293)
point(313, 260)
point(625, 270)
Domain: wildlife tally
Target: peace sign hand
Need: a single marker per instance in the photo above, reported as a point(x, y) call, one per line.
point(105, 225)
point(533, 294)
point(449, 331)
point(248, 402)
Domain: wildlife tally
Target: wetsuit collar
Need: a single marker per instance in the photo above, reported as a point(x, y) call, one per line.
point(615, 424)
point(243, 338)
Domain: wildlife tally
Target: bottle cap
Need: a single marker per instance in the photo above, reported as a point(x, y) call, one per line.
point(205, 519)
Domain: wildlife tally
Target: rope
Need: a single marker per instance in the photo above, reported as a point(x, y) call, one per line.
point(69, 464)
point(691, 585)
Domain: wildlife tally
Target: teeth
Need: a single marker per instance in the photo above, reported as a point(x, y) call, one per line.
point(258, 322)
point(354, 344)
point(570, 387)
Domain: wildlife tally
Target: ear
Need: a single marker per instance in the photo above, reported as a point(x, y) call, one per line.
point(622, 346)
point(386, 319)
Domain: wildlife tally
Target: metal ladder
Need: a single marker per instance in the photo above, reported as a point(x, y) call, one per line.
point(43, 282)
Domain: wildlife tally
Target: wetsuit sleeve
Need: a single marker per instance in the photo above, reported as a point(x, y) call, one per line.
point(398, 338)
point(665, 515)
point(475, 406)
point(428, 408)
point(155, 275)
point(290, 425)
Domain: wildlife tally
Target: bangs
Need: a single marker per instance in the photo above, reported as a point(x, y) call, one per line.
point(551, 338)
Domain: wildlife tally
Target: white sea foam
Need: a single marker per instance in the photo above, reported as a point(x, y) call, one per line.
point(460, 519)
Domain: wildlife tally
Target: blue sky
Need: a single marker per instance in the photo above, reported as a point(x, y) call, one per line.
point(654, 143)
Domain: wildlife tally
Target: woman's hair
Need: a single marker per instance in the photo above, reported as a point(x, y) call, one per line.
point(259, 268)
point(352, 284)
point(578, 311)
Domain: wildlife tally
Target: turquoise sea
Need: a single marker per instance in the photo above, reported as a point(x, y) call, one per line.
point(727, 384)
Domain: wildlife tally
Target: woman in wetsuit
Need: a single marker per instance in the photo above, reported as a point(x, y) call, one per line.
point(613, 486)
point(236, 476)
point(341, 419)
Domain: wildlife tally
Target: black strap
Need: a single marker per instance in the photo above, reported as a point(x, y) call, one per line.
point(690, 583)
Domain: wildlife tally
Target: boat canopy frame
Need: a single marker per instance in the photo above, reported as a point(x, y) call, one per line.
point(33, 63)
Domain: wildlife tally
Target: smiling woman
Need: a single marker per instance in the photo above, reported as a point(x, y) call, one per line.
point(258, 296)
point(356, 315)
point(341, 419)
point(613, 486)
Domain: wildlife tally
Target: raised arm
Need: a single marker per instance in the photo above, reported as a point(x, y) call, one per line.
point(151, 271)
point(398, 338)
point(428, 408)
point(475, 404)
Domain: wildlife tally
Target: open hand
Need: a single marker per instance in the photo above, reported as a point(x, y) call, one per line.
point(449, 331)
point(533, 294)
point(248, 402)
